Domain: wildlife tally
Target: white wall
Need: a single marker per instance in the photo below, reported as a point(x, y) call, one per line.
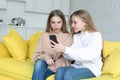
point(105, 14)
point(35, 12)
point(16, 9)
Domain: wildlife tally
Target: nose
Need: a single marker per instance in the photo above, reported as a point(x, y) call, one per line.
point(72, 25)
point(56, 24)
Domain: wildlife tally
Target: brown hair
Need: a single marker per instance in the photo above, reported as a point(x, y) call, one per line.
point(60, 14)
point(84, 16)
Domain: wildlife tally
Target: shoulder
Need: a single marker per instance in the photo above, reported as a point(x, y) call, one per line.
point(67, 34)
point(97, 33)
point(44, 35)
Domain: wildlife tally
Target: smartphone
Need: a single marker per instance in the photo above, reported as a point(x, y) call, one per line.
point(53, 38)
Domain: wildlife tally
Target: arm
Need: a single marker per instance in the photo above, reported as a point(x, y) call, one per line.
point(66, 39)
point(67, 57)
point(92, 51)
point(38, 51)
point(40, 48)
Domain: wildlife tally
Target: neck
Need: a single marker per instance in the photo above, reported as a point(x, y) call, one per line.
point(53, 32)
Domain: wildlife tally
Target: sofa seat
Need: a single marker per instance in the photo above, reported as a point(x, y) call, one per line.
point(103, 77)
point(111, 65)
point(16, 55)
point(17, 69)
point(5, 78)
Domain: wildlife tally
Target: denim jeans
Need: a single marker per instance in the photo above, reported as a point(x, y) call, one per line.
point(41, 70)
point(71, 73)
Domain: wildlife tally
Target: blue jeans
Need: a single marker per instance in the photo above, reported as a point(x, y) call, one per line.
point(41, 70)
point(71, 73)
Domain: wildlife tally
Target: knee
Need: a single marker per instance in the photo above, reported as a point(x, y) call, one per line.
point(60, 70)
point(68, 75)
point(68, 72)
point(59, 73)
point(39, 64)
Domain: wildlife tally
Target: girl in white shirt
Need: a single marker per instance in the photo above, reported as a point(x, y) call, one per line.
point(85, 50)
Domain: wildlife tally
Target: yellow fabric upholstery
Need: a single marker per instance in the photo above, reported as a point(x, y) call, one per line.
point(13, 69)
point(5, 78)
point(3, 51)
point(16, 68)
point(110, 46)
point(103, 77)
point(52, 77)
point(32, 43)
point(112, 64)
point(15, 44)
point(111, 68)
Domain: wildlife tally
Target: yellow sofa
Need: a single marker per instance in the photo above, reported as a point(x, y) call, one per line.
point(111, 67)
point(15, 56)
point(16, 53)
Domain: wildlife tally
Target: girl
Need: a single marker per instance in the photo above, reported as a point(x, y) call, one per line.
point(46, 59)
point(85, 50)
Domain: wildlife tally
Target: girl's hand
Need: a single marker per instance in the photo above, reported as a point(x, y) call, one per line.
point(50, 62)
point(53, 68)
point(59, 47)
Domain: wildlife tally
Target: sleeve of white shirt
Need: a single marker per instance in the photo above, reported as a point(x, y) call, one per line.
point(67, 57)
point(92, 51)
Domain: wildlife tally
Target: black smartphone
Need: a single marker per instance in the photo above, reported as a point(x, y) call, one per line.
point(53, 38)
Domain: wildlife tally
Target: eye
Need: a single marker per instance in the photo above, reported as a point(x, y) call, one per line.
point(74, 22)
point(52, 22)
point(59, 22)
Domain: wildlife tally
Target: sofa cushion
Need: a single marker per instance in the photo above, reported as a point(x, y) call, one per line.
point(5, 78)
point(16, 69)
point(52, 77)
point(3, 51)
point(110, 46)
point(32, 43)
point(112, 64)
point(15, 44)
point(102, 77)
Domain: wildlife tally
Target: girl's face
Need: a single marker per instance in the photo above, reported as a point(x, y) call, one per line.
point(56, 24)
point(77, 24)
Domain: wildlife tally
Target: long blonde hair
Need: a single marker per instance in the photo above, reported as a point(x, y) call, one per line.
point(84, 16)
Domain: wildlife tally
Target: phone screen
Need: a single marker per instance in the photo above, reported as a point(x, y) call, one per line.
point(53, 38)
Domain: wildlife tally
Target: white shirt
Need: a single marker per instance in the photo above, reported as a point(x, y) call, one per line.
point(86, 51)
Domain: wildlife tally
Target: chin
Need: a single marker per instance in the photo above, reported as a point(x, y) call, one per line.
point(76, 31)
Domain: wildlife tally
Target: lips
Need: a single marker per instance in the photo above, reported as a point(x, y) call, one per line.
point(56, 28)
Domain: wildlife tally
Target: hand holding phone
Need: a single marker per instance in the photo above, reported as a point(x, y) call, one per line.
point(53, 38)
